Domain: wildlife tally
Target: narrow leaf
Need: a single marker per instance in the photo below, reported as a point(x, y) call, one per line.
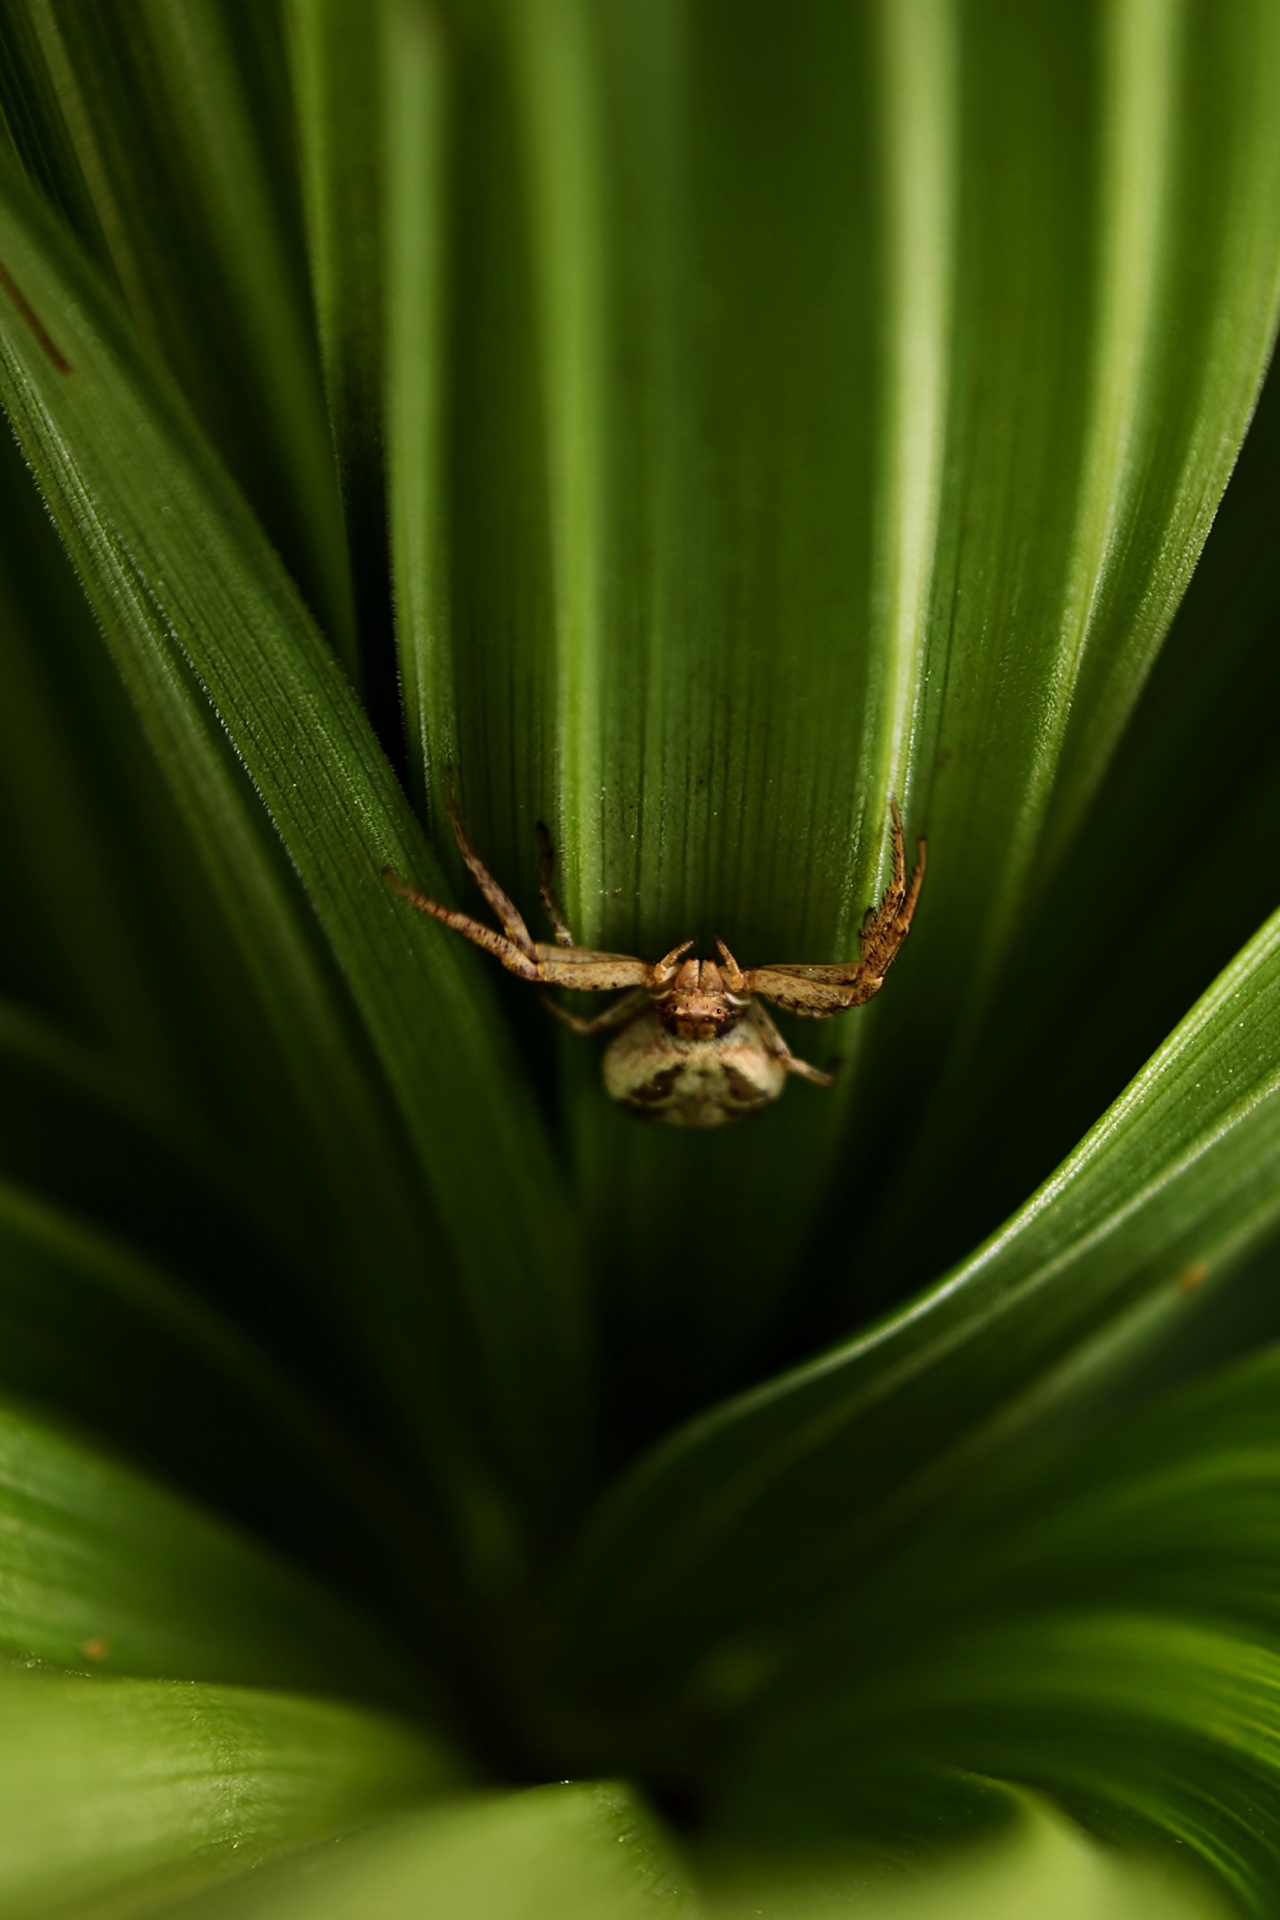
point(875, 379)
point(371, 89)
point(103, 1337)
point(757, 1516)
point(99, 1569)
point(1103, 1621)
point(178, 128)
point(571, 1852)
point(195, 605)
point(147, 1789)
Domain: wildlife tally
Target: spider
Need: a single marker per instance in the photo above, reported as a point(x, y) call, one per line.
point(693, 1047)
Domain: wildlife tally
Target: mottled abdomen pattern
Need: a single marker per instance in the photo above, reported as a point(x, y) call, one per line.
point(691, 1083)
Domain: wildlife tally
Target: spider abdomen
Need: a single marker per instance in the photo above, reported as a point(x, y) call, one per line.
point(659, 1076)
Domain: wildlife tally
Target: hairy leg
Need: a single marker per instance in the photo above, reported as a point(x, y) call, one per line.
point(781, 1051)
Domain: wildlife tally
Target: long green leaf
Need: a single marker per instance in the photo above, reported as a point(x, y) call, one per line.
point(166, 136)
point(110, 940)
point(371, 89)
point(570, 1852)
point(101, 1569)
point(198, 612)
point(1042, 1864)
point(754, 1518)
point(1105, 1623)
point(110, 1342)
point(1171, 864)
point(876, 377)
point(142, 1790)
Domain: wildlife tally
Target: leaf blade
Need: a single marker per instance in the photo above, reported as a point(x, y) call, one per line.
point(201, 591)
point(142, 1788)
point(752, 1518)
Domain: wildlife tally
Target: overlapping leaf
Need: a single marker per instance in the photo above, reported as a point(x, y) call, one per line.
point(1106, 1623)
point(125, 1791)
point(100, 1569)
point(753, 1519)
point(210, 636)
point(568, 1852)
point(163, 137)
point(873, 391)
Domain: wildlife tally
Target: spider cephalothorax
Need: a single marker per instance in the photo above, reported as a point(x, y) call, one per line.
point(693, 1046)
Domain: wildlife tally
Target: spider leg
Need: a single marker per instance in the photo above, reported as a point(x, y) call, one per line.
point(820, 992)
point(614, 1016)
point(515, 958)
point(550, 904)
point(781, 1051)
point(884, 932)
point(506, 910)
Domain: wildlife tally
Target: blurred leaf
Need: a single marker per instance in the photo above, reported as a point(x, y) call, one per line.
point(761, 1514)
point(566, 1852)
point(90, 1329)
point(140, 1789)
point(489, 1362)
point(1105, 1624)
point(110, 936)
point(165, 136)
point(1042, 1866)
point(100, 1568)
point(841, 403)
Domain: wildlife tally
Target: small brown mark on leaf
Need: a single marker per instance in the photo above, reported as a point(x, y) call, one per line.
point(44, 339)
point(95, 1648)
point(1193, 1276)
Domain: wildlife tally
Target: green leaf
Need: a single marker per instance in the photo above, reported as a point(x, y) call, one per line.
point(197, 611)
point(91, 1330)
point(1166, 873)
point(840, 407)
point(166, 136)
point(1042, 1864)
point(100, 1568)
point(757, 1516)
point(371, 89)
point(139, 1789)
point(1104, 1623)
point(566, 1852)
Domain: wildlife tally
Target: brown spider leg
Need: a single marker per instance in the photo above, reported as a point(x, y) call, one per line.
point(551, 905)
point(884, 931)
point(819, 992)
point(506, 910)
point(513, 957)
point(781, 1051)
point(614, 1016)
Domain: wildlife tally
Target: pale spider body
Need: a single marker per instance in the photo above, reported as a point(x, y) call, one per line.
point(693, 1047)
point(692, 1079)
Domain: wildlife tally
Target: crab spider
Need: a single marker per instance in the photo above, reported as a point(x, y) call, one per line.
point(692, 1046)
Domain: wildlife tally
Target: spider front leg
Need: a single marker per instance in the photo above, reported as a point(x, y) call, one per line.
point(819, 992)
point(563, 965)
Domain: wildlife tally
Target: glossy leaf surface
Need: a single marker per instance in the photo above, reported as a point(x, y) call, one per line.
point(872, 392)
point(195, 592)
point(131, 1789)
point(99, 1568)
point(1103, 1623)
point(568, 1852)
point(754, 1517)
